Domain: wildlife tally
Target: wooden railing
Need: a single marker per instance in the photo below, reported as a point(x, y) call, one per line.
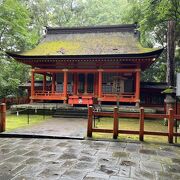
point(47, 93)
point(15, 100)
point(141, 115)
point(122, 95)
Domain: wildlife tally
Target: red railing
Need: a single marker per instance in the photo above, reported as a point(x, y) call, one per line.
point(141, 115)
point(15, 100)
point(47, 93)
point(122, 95)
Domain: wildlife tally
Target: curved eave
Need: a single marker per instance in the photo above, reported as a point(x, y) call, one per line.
point(152, 54)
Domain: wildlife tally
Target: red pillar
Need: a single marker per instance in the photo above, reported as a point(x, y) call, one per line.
point(100, 86)
point(141, 124)
point(53, 83)
point(2, 117)
point(65, 86)
point(116, 123)
point(44, 82)
point(137, 94)
point(32, 84)
point(90, 121)
point(170, 125)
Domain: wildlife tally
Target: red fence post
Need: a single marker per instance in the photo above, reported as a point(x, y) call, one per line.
point(2, 117)
point(141, 124)
point(115, 126)
point(170, 125)
point(90, 121)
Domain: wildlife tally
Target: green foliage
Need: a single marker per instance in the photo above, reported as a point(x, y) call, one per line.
point(22, 25)
point(15, 35)
point(152, 16)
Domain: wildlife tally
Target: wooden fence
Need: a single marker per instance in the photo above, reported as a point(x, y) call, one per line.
point(15, 100)
point(171, 116)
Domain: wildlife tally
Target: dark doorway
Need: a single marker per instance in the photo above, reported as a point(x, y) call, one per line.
point(86, 83)
point(81, 84)
point(90, 83)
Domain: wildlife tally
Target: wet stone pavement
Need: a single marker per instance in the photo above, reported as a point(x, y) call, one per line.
point(60, 127)
point(41, 159)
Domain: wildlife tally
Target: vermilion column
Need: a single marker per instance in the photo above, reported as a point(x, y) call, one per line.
point(44, 82)
point(53, 83)
point(65, 85)
point(32, 84)
point(100, 84)
point(137, 94)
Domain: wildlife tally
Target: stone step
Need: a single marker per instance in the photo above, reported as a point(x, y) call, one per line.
point(69, 116)
point(71, 113)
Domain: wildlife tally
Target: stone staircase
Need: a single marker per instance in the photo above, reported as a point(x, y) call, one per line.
point(73, 112)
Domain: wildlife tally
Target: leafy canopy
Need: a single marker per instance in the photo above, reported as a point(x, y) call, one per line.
point(22, 25)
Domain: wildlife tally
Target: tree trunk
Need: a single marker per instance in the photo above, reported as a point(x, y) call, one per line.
point(170, 53)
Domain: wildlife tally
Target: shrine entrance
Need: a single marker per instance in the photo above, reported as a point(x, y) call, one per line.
point(85, 83)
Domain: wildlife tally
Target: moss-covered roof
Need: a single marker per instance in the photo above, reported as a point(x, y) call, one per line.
point(89, 41)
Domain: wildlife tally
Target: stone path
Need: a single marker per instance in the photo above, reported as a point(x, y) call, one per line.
point(45, 159)
point(63, 127)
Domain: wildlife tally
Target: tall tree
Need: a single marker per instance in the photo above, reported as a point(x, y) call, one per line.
point(170, 52)
point(153, 15)
point(14, 36)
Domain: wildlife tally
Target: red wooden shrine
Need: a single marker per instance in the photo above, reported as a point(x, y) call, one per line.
point(88, 65)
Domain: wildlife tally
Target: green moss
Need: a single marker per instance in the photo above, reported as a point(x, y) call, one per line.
point(168, 91)
point(54, 48)
point(120, 154)
point(144, 50)
point(84, 44)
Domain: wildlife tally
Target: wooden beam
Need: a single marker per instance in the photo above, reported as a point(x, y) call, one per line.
point(86, 70)
point(128, 132)
point(102, 130)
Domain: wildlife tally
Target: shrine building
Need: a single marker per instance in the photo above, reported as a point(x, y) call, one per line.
point(88, 65)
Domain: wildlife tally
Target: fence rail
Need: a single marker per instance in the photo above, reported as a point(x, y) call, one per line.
point(15, 100)
point(171, 116)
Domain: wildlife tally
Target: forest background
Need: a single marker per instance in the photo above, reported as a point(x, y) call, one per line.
point(23, 22)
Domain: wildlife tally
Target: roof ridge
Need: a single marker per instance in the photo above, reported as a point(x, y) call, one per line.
point(89, 29)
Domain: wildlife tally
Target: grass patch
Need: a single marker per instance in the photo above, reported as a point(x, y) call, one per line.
point(13, 121)
point(132, 124)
